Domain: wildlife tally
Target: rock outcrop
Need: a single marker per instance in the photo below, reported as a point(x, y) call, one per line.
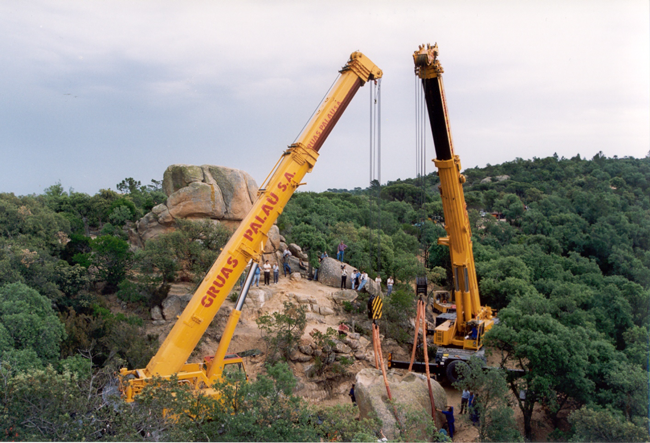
point(498, 178)
point(410, 390)
point(330, 274)
point(221, 194)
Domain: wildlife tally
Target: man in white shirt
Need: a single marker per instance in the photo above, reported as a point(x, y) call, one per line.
point(267, 272)
point(364, 280)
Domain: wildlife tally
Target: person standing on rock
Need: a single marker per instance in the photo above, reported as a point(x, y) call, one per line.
point(317, 266)
point(285, 261)
point(354, 279)
point(276, 273)
point(267, 273)
point(256, 277)
point(378, 281)
point(389, 286)
point(363, 281)
point(341, 251)
point(344, 277)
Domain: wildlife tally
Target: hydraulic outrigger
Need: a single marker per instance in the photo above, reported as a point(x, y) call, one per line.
point(246, 245)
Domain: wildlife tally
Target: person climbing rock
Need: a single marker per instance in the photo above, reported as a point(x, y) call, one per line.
point(449, 413)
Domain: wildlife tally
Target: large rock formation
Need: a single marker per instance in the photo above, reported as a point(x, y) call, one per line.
point(407, 391)
point(201, 192)
point(330, 274)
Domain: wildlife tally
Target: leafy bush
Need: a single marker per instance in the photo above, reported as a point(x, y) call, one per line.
point(130, 292)
point(325, 356)
point(28, 326)
point(281, 331)
point(112, 258)
point(603, 425)
point(398, 311)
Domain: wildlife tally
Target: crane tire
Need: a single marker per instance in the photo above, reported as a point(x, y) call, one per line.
point(452, 372)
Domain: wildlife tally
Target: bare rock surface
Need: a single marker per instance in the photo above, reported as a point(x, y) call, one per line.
point(317, 298)
point(408, 390)
point(257, 297)
point(194, 192)
point(330, 273)
point(171, 307)
point(156, 313)
point(345, 295)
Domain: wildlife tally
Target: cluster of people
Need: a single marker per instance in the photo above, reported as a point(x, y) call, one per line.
point(467, 406)
point(267, 268)
point(358, 279)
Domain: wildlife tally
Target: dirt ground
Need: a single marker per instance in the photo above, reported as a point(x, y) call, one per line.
point(248, 336)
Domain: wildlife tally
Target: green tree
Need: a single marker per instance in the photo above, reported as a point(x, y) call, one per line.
point(554, 358)
point(594, 425)
point(28, 327)
point(496, 417)
point(340, 423)
point(398, 311)
point(112, 258)
point(510, 206)
point(42, 404)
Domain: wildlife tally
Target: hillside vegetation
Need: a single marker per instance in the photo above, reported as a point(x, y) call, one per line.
point(565, 260)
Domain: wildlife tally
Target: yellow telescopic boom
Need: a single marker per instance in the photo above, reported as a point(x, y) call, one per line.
point(247, 242)
point(470, 313)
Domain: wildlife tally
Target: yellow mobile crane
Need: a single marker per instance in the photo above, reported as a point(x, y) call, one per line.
point(245, 246)
point(465, 328)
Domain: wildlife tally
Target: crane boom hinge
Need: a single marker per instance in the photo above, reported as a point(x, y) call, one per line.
point(302, 155)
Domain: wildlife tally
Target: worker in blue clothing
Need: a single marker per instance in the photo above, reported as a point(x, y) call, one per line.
point(449, 413)
point(256, 277)
point(473, 409)
point(352, 396)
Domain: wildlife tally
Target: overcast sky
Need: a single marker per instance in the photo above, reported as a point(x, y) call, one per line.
point(92, 92)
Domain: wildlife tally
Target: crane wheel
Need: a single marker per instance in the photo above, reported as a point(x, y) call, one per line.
point(452, 372)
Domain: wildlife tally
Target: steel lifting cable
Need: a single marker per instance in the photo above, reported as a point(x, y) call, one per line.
point(316, 108)
point(375, 161)
point(421, 322)
point(375, 174)
point(421, 157)
point(378, 161)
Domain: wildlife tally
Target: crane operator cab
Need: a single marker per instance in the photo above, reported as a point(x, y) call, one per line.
point(443, 302)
